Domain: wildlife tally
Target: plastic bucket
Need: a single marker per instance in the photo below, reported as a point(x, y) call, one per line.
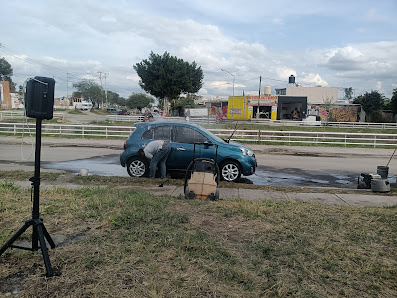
point(83, 172)
point(383, 171)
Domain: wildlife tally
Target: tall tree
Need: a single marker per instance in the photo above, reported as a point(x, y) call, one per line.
point(393, 102)
point(372, 104)
point(115, 99)
point(6, 72)
point(348, 93)
point(167, 76)
point(90, 91)
point(139, 101)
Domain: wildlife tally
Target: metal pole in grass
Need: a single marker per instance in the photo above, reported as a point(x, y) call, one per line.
point(391, 156)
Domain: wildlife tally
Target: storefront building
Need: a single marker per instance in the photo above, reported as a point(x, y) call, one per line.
point(267, 107)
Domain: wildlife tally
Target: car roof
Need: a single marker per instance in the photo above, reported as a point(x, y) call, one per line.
point(165, 122)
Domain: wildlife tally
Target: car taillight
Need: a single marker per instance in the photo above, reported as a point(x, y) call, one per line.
point(125, 144)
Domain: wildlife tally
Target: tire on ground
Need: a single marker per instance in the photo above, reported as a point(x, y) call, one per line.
point(137, 167)
point(230, 171)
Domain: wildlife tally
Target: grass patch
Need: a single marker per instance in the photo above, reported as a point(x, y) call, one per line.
point(20, 175)
point(113, 123)
point(130, 243)
point(131, 182)
point(75, 112)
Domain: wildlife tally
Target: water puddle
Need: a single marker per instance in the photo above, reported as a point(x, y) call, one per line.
point(109, 165)
point(104, 165)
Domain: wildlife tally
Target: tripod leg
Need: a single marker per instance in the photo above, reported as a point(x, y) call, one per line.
point(48, 237)
point(44, 250)
point(27, 224)
point(35, 237)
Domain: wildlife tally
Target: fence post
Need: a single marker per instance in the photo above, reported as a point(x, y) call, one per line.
point(345, 140)
point(375, 142)
point(259, 136)
point(15, 129)
point(106, 132)
point(82, 130)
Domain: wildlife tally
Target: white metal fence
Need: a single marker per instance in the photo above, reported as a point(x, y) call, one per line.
point(21, 115)
point(75, 130)
point(267, 122)
point(258, 136)
point(136, 118)
point(362, 125)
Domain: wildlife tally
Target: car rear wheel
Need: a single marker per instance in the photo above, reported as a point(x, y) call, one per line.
point(137, 167)
point(230, 171)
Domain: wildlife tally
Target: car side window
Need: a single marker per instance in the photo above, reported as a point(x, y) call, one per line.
point(148, 135)
point(158, 133)
point(187, 135)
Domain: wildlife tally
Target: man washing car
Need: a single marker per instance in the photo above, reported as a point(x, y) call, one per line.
point(157, 151)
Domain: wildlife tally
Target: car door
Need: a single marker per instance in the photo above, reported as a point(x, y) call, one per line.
point(183, 139)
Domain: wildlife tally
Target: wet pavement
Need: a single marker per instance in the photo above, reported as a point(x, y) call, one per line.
point(109, 165)
point(277, 165)
point(302, 178)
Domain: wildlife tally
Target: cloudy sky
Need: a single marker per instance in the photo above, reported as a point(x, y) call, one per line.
point(329, 43)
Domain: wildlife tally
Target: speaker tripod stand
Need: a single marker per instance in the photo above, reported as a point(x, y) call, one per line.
point(39, 234)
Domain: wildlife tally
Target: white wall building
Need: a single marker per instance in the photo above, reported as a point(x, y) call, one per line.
point(315, 95)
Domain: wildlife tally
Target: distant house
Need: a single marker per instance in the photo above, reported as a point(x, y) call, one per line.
point(5, 96)
point(315, 95)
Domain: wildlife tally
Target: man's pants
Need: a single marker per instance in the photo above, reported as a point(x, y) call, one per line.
point(160, 157)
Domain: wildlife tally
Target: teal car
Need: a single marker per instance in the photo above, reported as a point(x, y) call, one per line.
point(233, 159)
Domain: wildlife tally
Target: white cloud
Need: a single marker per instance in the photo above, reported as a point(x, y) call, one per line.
point(83, 37)
point(278, 21)
point(379, 85)
point(285, 72)
point(373, 15)
point(313, 79)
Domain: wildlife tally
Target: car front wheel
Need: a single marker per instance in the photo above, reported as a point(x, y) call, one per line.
point(137, 167)
point(230, 171)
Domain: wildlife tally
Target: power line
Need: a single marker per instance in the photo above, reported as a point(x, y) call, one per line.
point(59, 71)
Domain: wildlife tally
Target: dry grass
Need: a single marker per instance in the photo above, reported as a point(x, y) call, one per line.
point(125, 243)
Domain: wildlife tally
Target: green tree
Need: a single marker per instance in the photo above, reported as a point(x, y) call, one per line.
point(348, 93)
point(184, 102)
point(393, 102)
point(372, 104)
point(327, 105)
point(90, 91)
point(114, 98)
point(139, 101)
point(21, 94)
point(181, 103)
point(6, 72)
point(168, 77)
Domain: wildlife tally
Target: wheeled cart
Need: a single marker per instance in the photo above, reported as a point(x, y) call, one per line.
point(202, 177)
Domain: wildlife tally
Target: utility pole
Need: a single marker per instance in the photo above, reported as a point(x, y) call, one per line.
point(67, 85)
point(100, 79)
point(259, 98)
point(233, 91)
point(106, 91)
